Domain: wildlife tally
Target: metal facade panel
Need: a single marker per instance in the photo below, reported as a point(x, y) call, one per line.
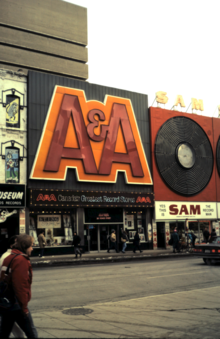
point(48, 63)
point(40, 90)
point(39, 43)
point(55, 18)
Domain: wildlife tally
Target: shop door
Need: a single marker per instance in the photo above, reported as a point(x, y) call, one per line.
point(104, 233)
point(93, 237)
point(160, 234)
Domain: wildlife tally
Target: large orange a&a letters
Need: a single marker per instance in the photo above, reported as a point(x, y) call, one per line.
point(97, 139)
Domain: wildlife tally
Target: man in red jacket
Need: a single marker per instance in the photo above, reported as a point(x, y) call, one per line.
point(20, 284)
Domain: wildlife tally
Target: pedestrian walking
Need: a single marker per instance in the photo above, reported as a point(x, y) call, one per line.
point(11, 242)
point(206, 235)
point(193, 238)
point(213, 233)
point(42, 243)
point(76, 244)
point(136, 242)
point(124, 239)
point(176, 239)
point(113, 242)
point(20, 280)
point(16, 331)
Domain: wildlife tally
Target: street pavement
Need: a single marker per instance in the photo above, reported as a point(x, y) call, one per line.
point(173, 298)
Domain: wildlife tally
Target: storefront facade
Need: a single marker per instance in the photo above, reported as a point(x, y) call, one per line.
point(89, 163)
point(12, 212)
point(13, 154)
point(185, 173)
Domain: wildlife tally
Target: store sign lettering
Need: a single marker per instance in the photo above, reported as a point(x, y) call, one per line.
point(143, 200)
point(63, 197)
point(11, 195)
point(163, 99)
point(96, 139)
point(46, 197)
point(172, 210)
point(184, 210)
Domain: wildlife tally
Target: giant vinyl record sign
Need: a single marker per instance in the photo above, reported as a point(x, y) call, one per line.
point(184, 156)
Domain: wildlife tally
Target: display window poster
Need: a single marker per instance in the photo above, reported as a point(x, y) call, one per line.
point(68, 234)
point(167, 233)
point(149, 229)
point(129, 221)
point(45, 221)
point(49, 236)
point(11, 165)
point(140, 230)
point(32, 230)
point(154, 235)
point(142, 237)
point(131, 235)
point(66, 221)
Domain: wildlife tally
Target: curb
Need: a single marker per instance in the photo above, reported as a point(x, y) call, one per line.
point(109, 260)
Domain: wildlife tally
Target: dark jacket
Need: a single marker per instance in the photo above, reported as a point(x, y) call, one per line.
point(136, 239)
point(213, 234)
point(76, 240)
point(175, 237)
point(21, 277)
point(206, 235)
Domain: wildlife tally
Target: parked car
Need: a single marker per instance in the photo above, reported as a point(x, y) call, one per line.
point(210, 252)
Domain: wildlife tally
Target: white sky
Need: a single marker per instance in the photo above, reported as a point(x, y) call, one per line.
point(147, 46)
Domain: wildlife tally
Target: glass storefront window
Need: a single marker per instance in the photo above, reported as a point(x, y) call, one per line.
point(180, 229)
point(198, 229)
point(58, 228)
point(135, 221)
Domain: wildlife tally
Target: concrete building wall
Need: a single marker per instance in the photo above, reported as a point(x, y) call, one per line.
point(44, 35)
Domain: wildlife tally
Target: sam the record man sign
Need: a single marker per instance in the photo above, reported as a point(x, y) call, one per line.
point(173, 210)
point(97, 139)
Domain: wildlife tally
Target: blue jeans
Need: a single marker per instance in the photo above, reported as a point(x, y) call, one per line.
point(41, 251)
point(124, 246)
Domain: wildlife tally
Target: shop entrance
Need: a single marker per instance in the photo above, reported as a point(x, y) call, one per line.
point(160, 234)
point(96, 236)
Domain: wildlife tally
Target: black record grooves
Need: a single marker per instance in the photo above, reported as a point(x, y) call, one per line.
point(184, 156)
point(218, 155)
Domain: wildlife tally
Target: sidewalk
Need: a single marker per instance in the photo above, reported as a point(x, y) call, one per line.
point(104, 257)
point(180, 315)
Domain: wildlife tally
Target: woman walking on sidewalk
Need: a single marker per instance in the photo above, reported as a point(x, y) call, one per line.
point(136, 242)
point(124, 239)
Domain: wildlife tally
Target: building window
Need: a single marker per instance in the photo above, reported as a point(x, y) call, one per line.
point(58, 228)
point(134, 220)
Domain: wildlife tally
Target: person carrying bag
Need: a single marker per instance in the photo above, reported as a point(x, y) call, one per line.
point(124, 240)
point(15, 281)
